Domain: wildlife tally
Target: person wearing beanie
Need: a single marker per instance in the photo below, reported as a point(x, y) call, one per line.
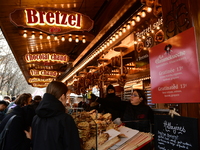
point(109, 104)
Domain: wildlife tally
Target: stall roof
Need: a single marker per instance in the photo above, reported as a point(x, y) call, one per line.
point(104, 13)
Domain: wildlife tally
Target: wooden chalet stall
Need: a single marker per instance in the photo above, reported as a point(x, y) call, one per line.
point(97, 43)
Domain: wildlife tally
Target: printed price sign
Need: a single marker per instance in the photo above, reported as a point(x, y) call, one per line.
point(174, 70)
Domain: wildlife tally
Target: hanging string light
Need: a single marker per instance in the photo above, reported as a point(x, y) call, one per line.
point(70, 38)
point(48, 37)
point(84, 39)
point(76, 39)
point(33, 35)
point(55, 38)
point(63, 38)
point(41, 37)
point(25, 34)
point(143, 14)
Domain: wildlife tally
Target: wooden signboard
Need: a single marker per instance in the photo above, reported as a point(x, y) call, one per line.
point(177, 133)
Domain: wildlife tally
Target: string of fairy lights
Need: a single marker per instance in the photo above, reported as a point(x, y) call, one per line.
point(113, 37)
point(70, 37)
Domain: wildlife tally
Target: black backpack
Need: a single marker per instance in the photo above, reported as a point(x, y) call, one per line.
point(4, 133)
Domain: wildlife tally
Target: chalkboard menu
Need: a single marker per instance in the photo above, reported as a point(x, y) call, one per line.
point(177, 133)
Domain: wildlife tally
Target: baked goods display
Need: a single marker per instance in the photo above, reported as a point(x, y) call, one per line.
point(98, 131)
point(91, 126)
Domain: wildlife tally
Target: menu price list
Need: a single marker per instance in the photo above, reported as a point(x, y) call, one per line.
point(177, 133)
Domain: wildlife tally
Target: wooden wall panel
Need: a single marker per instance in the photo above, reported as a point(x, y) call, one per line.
point(176, 17)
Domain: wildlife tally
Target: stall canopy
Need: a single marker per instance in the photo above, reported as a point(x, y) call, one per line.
point(49, 38)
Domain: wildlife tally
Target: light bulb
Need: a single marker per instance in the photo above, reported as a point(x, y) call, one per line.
point(63, 38)
point(48, 37)
point(137, 18)
point(113, 38)
point(124, 29)
point(84, 40)
point(149, 9)
point(76, 39)
point(41, 37)
point(143, 14)
point(33, 35)
point(70, 38)
point(25, 34)
point(120, 33)
point(133, 22)
point(116, 35)
point(128, 26)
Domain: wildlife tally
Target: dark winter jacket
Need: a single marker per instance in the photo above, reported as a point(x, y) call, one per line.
point(110, 104)
point(16, 138)
point(139, 117)
point(52, 128)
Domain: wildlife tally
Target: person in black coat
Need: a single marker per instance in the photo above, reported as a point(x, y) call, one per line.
point(52, 128)
point(110, 104)
point(18, 138)
point(137, 114)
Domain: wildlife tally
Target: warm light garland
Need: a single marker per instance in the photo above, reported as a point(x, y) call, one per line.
point(133, 21)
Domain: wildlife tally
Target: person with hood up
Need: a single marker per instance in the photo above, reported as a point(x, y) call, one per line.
point(52, 128)
point(110, 104)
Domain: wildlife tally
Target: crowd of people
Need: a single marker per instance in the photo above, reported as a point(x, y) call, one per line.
point(42, 123)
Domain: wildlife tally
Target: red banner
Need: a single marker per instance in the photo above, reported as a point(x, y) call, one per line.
point(174, 70)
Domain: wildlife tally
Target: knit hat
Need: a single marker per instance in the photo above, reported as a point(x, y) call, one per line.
point(110, 87)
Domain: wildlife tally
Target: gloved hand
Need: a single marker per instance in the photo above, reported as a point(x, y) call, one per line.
point(93, 97)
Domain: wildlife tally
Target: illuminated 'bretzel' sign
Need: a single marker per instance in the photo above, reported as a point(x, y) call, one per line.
point(51, 20)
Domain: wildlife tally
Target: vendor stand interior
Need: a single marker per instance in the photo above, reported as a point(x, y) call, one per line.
point(102, 43)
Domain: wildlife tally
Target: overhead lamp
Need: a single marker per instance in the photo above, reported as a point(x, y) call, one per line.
point(25, 34)
point(63, 38)
point(84, 39)
point(76, 39)
point(48, 37)
point(117, 35)
point(33, 35)
point(70, 38)
point(120, 33)
point(113, 38)
point(133, 22)
point(128, 26)
point(143, 14)
point(41, 37)
point(137, 18)
point(149, 9)
point(124, 29)
point(55, 38)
